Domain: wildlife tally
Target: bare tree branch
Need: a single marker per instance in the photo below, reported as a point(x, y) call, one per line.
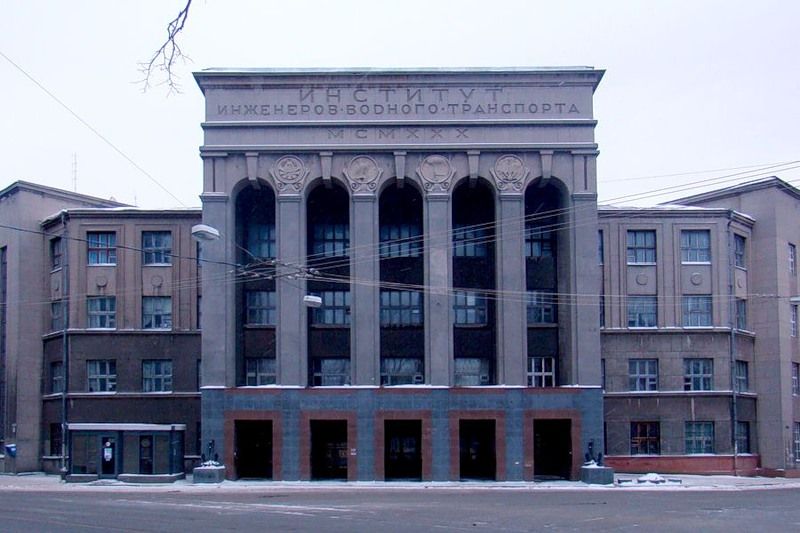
point(162, 62)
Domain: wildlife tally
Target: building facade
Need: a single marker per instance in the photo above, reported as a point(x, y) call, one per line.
point(105, 298)
point(435, 218)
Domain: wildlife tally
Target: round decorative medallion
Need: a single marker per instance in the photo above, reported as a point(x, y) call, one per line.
point(436, 171)
point(101, 281)
point(509, 170)
point(289, 171)
point(740, 283)
point(362, 171)
point(157, 281)
point(642, 279)
point(696, 278)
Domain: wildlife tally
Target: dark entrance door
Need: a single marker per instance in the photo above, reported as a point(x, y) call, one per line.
point(552, 448)
point(253, 448)
point(146, 454)
point(402, 449)
point(328, 449)
point(108, 457)
point(477, 452)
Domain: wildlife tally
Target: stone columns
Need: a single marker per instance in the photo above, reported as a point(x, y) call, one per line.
point(512, 329)
point(291, 331)
point(438, 278)
point(365, 312)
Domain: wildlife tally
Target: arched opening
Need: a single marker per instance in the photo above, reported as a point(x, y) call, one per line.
point(328, 251)
point(401, 249)
point(545, 234)
point(256, 307)
point(474, 283)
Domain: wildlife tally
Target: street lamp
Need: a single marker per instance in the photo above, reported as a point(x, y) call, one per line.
point(204, 232)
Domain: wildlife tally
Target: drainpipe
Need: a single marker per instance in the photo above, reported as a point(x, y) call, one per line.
point(732, 350)
point(65, 460)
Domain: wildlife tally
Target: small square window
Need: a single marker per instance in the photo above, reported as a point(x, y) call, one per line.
point(642, 311)
point(697, 311)
point(402, 371)
point(400, 240)
point(471, 241)
point(102, 247)
point(541, 307)
point(101, 312)
point(157, 375)
point(472, 371)
point(101, 375)
point(541, 371)
point(261, 308)
point(643, 374)
point(330, 240)
point(335, 309)
point(469, 308)
point(401, 308)
point(696, 246)
point(641, 247)
point(156, 312)
point(259, 371)
point(699, 437)
point(330, 372)
point(261, 239)
point(698, 374)
point(645, 438)
point(539, 242)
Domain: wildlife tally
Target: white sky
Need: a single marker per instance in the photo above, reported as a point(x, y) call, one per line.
point(690, 86)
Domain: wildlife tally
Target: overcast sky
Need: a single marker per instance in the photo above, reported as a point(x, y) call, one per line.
point(691, 88)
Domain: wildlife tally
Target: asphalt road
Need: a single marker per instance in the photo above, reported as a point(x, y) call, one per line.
point(416, 510)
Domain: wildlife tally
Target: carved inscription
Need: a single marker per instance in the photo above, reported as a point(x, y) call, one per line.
point(397, 134)
point(399, 102)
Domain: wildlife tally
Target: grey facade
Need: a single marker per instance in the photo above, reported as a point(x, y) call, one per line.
point(409, 202)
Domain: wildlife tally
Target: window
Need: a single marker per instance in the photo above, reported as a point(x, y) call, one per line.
point(539, 242)
point(697, 311)
point(472, 371)
point(331, 240)
point(55, 439)
point(742, 437)
point(56, 252)
point(642, 311)
point(602, 311)
point(741, 313)
point(330, 372)
point(157, 375)
point(699, 437)
point(259, 371)
point(57, 312)
point(641, 247)
point(261, 308)
point(793, 321)
point(157, 247)
point(400, 240)
point(261, 241)
point(739, 251)
point(541, 371)
point(603, 373)
point(101, 375)
point(541, 307)
point(102, 246)
point(741, 377)
point(402, 371)
point(698, 374)
point(56, 377)
point(156, 312)
point(101, 312)
point(643, 374)
point(600, 248)
point(335, 310)
point(796, 379)
point(645, 438)
point(469, 308)
point(792, 259)
point(696, 246)
point(401, 308)
point(470, 241)
point(796, 439)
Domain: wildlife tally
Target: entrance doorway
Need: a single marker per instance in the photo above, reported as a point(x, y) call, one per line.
point(552, 448)
point(477, 450)
point(253, 449)
point(329, 449)
point(108, 457)
point(402, 449)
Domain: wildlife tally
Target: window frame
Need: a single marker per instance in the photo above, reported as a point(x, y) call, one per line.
point(157, 375)
point(742, 437)
point(101, 248)
point(104, 374)
point(319, 377)
point(741, 376)
point(698, 374)
point(154, 247)
point(260, 308)
point(539, 242)
point(400, 240)
point(643, 374)
point(793, 312)
point(403, 376)
point(695, 308)
point(795, 379)
point(740, 251)
point(471, 240)
point(329, 239)
point(792, 252)
point(56, 253)
point(101, 318)
point(261, 241)
point(260, 371)
point(462, 377)
point(164, 318)
point(634, 310)
point(698, 437)
point(56, 381)
point(541, 308)
point(470, 308)
point(645, 437)
point(334, 311)
point(741, 314)
point(541, 371)
point(401, 309)
point(638, 251)
point(694, 252)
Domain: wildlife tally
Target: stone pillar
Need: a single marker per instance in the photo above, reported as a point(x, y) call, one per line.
point(219, 351)
point(291, 341)
point(438, 280)
point(585, 286)
point(511, 306)
point(365, 310)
